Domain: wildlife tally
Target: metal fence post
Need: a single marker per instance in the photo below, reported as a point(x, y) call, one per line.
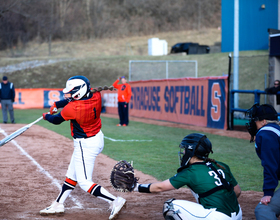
point(166, 70)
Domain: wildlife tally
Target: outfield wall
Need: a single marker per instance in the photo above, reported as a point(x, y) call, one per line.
point(194, 101)
point(36, 98)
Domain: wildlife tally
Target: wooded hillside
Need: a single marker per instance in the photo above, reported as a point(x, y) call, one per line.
point(70, 20)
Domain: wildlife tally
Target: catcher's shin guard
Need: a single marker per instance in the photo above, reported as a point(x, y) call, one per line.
point(169, 213)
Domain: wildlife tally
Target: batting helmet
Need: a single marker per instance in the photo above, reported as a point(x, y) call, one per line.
point(77, 87)
point(258, 113)
point(194, 144)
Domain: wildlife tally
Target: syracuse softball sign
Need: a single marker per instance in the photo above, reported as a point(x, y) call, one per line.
point(37, 98)
point(194, 101)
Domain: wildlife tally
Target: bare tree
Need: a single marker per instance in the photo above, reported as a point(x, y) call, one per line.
point(4, 9)
point(51, 26)
point(26, 20)
point(63, 8)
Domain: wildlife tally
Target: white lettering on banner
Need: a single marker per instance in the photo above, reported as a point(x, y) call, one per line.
point(111, 99)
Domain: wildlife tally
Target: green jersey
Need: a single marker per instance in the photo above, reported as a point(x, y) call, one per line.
point(200, 178)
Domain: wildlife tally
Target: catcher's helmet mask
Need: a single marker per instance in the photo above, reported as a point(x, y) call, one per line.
point(76, 88)
point(258, 113)
point(194, 144)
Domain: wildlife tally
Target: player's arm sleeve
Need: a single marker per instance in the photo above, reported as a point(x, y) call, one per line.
point(55, 119)
point(237, 190)
point(68, 113)
point(61, 103)
point(128, 93)
point(115, 84)
point(178, 180)
point(269, 157)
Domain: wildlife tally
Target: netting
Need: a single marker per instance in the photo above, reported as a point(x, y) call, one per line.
point(253, 74)
point(161, 69)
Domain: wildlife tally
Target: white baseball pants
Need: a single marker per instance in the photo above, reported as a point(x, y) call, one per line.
point(82, 162)
point(186, 210)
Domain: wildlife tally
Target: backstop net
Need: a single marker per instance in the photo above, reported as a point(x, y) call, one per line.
point(161, 69)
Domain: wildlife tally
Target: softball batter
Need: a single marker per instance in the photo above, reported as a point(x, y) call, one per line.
point(211, 182)
point(83, 109)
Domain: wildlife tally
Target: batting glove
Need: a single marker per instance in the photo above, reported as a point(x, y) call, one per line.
point(44, 116)
point(53, 109)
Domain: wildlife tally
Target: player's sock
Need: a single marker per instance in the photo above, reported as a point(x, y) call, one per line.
point(101, 193)
point(67, 188)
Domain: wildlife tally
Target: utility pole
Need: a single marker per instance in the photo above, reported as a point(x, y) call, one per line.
point(236, 52)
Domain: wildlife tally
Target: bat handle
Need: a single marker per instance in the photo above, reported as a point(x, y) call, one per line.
point(39, 119)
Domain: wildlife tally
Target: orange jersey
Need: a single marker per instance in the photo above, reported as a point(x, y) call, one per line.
point(84, 116)
point(124, 91)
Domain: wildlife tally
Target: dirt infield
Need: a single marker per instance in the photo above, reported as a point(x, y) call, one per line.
point(33, 167)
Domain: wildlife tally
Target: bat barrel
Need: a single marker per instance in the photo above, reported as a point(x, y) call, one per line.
point(13, 135)
point(18, 132)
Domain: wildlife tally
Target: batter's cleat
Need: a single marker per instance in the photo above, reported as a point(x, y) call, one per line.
point(116, 207)
point(119, 125)
point(54, 208)
point(124, 125)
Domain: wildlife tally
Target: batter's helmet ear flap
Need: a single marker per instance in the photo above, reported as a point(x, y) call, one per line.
point(77, 87)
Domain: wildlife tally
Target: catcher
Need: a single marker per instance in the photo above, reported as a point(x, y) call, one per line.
point(211, 182)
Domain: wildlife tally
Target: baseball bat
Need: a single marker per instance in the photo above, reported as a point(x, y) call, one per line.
point(100, 88)
point(18, 132)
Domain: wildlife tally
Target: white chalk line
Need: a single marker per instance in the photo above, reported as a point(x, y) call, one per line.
point(76, 207)
point(111, 139)
point(42, 170)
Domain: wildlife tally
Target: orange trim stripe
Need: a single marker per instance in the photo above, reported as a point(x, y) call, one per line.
point(72, 182)
point(93, 185)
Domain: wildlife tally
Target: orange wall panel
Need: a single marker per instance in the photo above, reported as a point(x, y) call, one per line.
point(36, 98)
point(196, 101)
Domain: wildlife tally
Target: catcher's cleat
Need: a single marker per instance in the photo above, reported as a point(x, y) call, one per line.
point(124, 125)
point(119, 125)
point(116, 207)
point(54, 208)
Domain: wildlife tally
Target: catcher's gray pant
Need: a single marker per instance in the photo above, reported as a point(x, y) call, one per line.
point(270, 211)
point(7, 105)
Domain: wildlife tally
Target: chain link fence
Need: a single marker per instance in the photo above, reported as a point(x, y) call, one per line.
point(161, 69)
point(253, 75)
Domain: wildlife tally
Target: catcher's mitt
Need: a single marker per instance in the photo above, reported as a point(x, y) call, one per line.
point(122, 177)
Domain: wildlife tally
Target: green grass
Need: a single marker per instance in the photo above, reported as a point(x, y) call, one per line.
point(159, 157)
point(104, 70)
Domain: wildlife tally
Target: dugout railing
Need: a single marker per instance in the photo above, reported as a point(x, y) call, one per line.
point(257, 95)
